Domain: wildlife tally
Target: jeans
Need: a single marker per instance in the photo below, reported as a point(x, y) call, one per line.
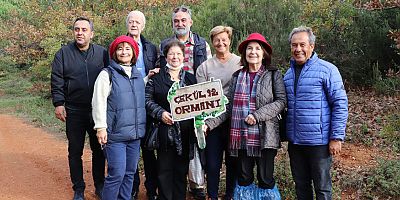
point(217, 142)
point(78, 123)
point(265, 168)
point(122, 159)
point(311, 165)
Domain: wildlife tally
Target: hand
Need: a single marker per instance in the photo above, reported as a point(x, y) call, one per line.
point(250, 120)
point(152, 72)
point(335, 146)
point(167, 118)
point(102, 136)
point(60, 113)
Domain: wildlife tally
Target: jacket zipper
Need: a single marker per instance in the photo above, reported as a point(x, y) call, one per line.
point(87, 73)
point(135, 103)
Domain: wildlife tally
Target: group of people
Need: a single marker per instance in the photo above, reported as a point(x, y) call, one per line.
point(116, 95)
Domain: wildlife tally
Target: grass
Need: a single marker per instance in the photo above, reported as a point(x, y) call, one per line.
point(16, 99)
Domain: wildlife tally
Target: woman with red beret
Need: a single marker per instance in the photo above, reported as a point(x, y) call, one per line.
point(120, 116)
point(256, 95)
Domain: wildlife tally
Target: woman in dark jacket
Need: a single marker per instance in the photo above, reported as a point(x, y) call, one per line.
point(256, 95)
point(176, 139)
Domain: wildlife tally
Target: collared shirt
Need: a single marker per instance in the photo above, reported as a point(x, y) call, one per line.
point(140, 62)
point(189, 47)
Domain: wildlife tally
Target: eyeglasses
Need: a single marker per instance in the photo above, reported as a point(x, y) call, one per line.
point(183, 9)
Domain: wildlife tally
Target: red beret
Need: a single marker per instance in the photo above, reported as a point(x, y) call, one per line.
point(256, 37)
point(124, 38)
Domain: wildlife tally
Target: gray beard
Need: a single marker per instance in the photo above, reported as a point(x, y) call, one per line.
point(181, 32)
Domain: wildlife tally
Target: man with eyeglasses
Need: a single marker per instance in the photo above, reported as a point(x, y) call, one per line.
point(146, 64)
point(196, 52)
point(74, 70)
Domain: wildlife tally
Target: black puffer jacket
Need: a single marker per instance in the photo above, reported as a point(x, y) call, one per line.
point(156, 103)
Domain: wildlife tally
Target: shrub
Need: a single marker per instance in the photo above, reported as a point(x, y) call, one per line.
point(391, 132)
point(7, 64)
point(384, 180)
point(388, 86)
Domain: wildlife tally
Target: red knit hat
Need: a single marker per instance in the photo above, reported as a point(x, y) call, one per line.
point(124, 38)
point(256, 37)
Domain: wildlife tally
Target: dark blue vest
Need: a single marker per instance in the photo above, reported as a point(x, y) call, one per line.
point(126, 112)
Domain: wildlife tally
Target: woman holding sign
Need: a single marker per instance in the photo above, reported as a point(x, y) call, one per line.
point(221, 66)
point(176, 139)
point(256, 96)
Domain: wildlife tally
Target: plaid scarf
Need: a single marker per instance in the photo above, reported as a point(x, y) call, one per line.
point(243, 136)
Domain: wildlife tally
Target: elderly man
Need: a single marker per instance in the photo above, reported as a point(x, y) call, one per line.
point(317, 115)
point(146, 64)
point(74, 71)
point(197, 51)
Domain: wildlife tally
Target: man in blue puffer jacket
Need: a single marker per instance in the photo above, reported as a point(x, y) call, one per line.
point(317, 116)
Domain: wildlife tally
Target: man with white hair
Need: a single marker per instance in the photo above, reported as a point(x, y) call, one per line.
point(317, 115)
point(146, 64)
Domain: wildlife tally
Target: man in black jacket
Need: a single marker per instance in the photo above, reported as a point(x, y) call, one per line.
point(74, 70)
point(146, 64)
point(196, 52)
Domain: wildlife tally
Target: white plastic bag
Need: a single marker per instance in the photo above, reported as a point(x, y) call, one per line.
point(196, 172)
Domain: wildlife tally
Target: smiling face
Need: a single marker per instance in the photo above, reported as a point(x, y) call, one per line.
point(301, 48)
point(175, 56)
point(82, 34)
point(124, 53)
point(181, 23)
point(221, 43)
point(135, 25)
point(254, 54)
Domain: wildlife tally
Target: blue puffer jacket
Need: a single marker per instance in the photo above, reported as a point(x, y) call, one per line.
point(318, 112)
point(126, 112)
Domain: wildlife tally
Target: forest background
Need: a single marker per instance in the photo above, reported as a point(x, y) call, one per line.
point(361, 37)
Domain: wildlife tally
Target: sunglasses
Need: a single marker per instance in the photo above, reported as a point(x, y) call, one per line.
point(182, 9)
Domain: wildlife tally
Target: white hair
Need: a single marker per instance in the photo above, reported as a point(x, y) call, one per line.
point(135, 12)
point(308, 30)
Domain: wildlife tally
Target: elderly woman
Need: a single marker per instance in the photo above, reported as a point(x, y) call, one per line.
point(176, 139)
point(221, 66)
point(257, 95)
point(120, 116)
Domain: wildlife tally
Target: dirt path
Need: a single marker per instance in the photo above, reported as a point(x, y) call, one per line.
point(34, 165)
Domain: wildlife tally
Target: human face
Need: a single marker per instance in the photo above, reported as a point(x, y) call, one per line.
point(124, 53)
point(135, 25)
point(181, 23)
point(175, 56)
point(254, 55)
point(301, 48)
point(221, 43)
point(83, 34)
